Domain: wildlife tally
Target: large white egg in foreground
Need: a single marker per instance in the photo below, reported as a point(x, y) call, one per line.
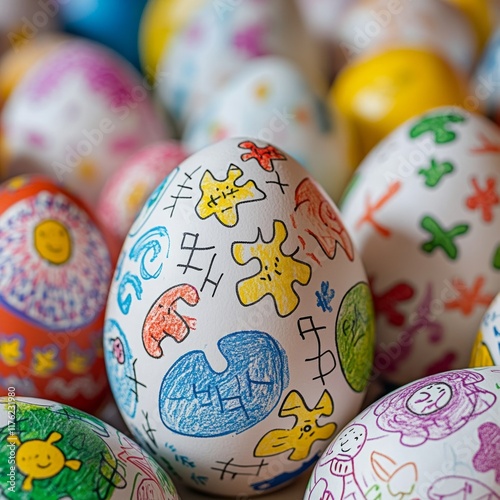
point(240, 322)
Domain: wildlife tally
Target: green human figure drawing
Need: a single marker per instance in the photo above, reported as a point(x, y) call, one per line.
point(436, 172)
point(441, 238)
point(439, 126)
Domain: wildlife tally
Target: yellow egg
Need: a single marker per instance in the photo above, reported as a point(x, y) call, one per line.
point(379, 93)
point(161, 20)
point(480, 14)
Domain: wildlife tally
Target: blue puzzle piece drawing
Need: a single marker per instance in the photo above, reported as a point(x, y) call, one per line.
point(195, 400)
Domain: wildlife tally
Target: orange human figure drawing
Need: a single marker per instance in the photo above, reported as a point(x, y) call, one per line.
point(469, 298)
point(484, 199)
point(372, 208)
point(486, 146)
point(265, 156)
point(163, 318)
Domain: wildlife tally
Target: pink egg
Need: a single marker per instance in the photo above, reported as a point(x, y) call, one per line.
point(126, 191)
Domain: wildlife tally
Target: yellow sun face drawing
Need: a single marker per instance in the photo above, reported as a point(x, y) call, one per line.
point(53, 242)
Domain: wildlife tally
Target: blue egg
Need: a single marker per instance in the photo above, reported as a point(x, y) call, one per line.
point(114, 23)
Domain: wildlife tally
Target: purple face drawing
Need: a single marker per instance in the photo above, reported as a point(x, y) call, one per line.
point(435, 407)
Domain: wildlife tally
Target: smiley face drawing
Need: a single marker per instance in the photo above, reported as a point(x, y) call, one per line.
point(53, 242)
point(38, 459)
point(430, 399)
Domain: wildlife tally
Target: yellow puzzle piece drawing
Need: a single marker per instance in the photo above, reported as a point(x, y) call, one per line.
point(38, 459)
point(304, 433)
point(45, 361)
point(221, 198)
point(278, 272)
point(11, 352)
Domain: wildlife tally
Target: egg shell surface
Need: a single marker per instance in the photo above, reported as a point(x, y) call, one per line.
point(436, 438)
point(239, 320)
point(130, 186)
point(270, 99)
point(217, 43)
point(436, 26)
point(61, 452)
point(77, 117)
point(55, 272)
point(424, 212)
point(486, 351)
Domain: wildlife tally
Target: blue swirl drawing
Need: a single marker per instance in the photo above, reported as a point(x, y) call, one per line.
point(152, 203)
point(120, 367)
point(195, 400)
point(150, 244)
point(123, 298)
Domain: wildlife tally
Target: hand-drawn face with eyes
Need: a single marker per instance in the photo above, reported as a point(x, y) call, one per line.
point(53, 242)
point(117, 349)
point(350, 442)
point(430, 399)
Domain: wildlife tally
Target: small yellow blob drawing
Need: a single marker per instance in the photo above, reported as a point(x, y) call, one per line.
point(277, 274)
point(53, 242)
point(136, 198)
point(304, 433)
point(221, 198)
point(11, 351)
point(38, 459)
point(79, 361)
point(44, 361)
point(481, 355)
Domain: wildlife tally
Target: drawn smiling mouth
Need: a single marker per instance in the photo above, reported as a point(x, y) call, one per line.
point(342, 444)
point(44, 466)
point(54, 249)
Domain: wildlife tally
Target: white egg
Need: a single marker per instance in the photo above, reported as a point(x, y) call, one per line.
point(424, 212)
point(271, 100)
point(77, 116)
point(486, 351)
point(438, 26)
point(436, 438)
point(218, 42)
point(239, 321)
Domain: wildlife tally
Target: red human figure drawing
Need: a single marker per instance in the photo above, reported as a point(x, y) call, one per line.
point(265, 156)
point(484, 199)
point(486, 146)
point(163, 318)
point(386, 302)
point(325, 225)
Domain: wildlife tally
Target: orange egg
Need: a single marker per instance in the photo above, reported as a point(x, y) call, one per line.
point(55, 271)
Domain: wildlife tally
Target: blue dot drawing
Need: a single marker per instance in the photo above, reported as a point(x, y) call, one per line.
point(325, 296)
point(195, 400)
point(119, 364)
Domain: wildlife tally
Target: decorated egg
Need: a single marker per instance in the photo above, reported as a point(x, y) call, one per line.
point(55, 271)
point(436, 438)
point(93, 18)
point(78, 117)
point(437, 26)
point(130, 186)
point(217, 44)
point(486, 351)
point(378, 93)
point(424, 212)
point(17, 62)
point(50, 450)
point(486, 82)
point(239, 321)
point(483, 14)
point(271, 100)
point(160, 23)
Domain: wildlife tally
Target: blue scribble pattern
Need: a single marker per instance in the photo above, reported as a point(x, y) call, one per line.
point(325, 296)
point(195, 400)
